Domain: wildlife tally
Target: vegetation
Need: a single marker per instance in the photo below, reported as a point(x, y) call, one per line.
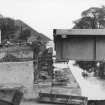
point(43, 62)
point(92, 18)
point(45, 65)
point(8, 28)
point(24, 35)
point(17, 33)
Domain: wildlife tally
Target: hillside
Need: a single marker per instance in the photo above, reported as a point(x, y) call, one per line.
point(34, 33)
point(17, 31)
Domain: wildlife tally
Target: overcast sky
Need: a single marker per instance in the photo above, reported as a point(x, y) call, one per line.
point(46, 15)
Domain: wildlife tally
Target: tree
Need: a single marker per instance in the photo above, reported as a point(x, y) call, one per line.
point(8, 28)
point(38, 47)
point(84, 23)
point(10, 31)
point(24, 34)
point(45, 63)
point(97, 14)
point(92, 18)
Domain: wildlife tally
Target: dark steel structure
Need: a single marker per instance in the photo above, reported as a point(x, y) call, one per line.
point(80, 44)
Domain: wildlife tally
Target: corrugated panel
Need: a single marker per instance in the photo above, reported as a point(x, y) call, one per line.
point(100, 48)
point(75, 48)
point(78, 48)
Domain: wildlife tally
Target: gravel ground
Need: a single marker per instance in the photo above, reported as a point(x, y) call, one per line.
point(31, 99)
point(71, 89)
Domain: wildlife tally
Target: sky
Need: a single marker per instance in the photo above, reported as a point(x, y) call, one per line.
point(46, 15)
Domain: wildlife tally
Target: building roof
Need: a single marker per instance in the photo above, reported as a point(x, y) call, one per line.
point(79, 32)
